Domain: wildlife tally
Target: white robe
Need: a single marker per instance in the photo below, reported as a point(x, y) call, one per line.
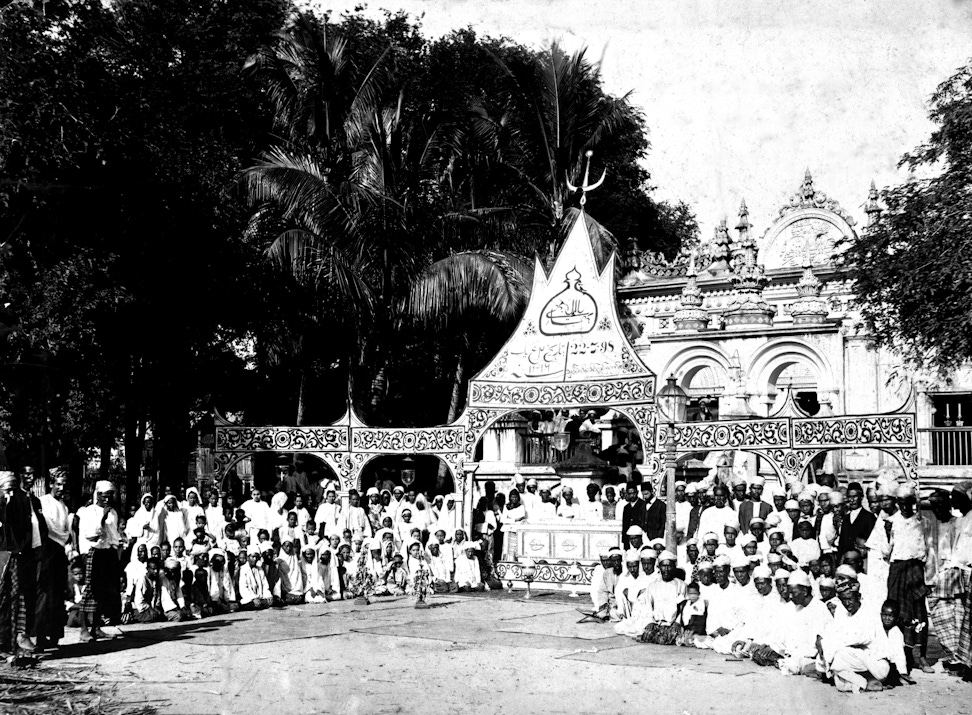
point(657, 603)
point(259, 515)
point(467, 572)
point(176, 526)
point(714, 520)
point(851, 644)
point(253, 584)
point(328, 517)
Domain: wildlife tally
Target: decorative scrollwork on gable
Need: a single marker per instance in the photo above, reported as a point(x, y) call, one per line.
point(706, 436)
point(281, 439)
point(420, 440)
point(874, 431)
point(347, 466)
point(581, 394)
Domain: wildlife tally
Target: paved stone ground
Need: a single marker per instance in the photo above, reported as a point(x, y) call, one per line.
point(484, 653)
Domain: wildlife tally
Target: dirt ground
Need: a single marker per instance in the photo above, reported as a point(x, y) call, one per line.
point(488, 653)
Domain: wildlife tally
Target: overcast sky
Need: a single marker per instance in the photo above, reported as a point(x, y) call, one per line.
point(742, 96)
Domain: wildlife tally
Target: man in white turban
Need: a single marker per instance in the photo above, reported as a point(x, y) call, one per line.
point(98, 541)
point(852, 649)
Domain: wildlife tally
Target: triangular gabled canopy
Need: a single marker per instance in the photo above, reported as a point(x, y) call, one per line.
point(568, 349)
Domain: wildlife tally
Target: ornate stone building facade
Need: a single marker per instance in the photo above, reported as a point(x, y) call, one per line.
point(741, 318)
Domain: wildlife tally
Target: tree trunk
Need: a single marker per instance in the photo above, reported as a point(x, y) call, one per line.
point(134, 437)
point(134, 441)
point(76, 464)
point(456, 403)
point(305, 382)
point(171, 430)
point(105, 468)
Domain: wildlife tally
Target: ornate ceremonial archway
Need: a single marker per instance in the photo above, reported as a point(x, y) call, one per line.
point(789, 440)
point(346, 445)
point(568, 351)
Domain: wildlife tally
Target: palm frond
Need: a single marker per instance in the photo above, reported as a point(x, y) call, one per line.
point(468, 285)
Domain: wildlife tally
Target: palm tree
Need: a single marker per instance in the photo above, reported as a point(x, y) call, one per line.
point(303, 188)
point(346, 195)
point(566, 115)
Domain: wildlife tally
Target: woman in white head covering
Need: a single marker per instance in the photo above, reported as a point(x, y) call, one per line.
point(449, 516)
point(278, 511)
point(193, 506)
point(145, 526)
point(441, 563)
point(320, 587)
point(174, 521)
point(404, 523)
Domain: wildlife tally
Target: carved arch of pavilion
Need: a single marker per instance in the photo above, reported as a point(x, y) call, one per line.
point(346, 446)
point(790, 439)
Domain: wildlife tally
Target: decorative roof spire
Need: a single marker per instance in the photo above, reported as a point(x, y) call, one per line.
point(810, 308)
point(872, 208)
point(748, 307)
point(691, 315)
point(807, 187)
point(586, 186)
point(809, 197)
point(743, 226)
point(719, 249)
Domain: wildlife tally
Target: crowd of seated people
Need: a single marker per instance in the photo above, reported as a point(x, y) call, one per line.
point(813, 584)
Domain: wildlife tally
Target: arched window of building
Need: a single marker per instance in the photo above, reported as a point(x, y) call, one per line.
point(704, 385)
point(802, 378)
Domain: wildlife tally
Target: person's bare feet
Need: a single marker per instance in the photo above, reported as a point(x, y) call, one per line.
point(25, 644)
point(874, 686)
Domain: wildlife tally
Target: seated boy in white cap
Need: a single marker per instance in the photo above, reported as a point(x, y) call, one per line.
point(441, 566)
point(626, 592)
point(146, 606)
point(468, 576)
point(171, 596)
point(253, 586)
point(222, 594)
point(635, 536)
point(604, 582)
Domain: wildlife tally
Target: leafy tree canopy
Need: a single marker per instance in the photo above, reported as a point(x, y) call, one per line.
point(913, 266)
point(142, 290)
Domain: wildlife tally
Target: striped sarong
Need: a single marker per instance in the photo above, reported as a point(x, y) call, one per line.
point(101, 585)
point(906, 585)
point(13, 612)
point(948, 613)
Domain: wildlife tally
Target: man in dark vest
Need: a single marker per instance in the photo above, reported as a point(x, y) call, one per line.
point(633, 513)
point(655, 513)
point(754, 506)
point(855, 527)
